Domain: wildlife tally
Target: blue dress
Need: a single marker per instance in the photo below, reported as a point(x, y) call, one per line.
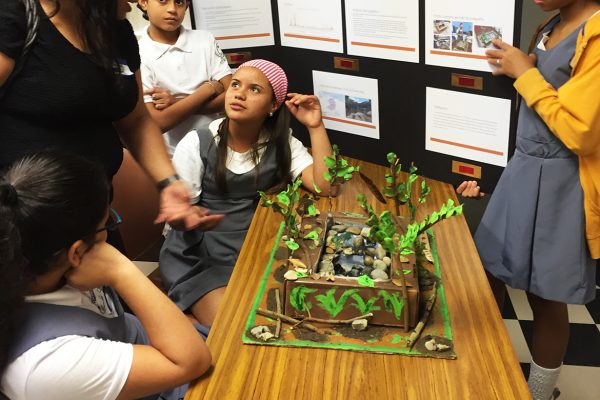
point(532, 235)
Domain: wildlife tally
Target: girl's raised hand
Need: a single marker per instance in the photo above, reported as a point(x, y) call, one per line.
point(470, 189)
point(306, 109)
point(508, 60)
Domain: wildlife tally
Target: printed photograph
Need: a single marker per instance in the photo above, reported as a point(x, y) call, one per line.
point(485, 35)
point(441, 42)
point(442, 27)
point(462, 36)
point(359, 108)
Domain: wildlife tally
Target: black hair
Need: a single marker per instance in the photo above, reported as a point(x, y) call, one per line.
point(98, 28)
point(48, 201)
point(145, 12)
point(277, 130)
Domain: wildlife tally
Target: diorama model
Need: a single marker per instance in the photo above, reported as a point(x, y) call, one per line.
point(350, 281)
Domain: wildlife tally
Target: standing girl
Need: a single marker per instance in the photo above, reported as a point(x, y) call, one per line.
point(541, 230)
point(184, 72)
point(63, 333)
point(251, 149)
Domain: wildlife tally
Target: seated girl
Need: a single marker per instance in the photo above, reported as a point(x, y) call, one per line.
point(63, 332)
point(251, 149)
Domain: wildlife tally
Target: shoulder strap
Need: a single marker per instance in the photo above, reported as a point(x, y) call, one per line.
point(33, 19)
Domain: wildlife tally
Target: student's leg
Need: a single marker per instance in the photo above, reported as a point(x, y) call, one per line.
point(498, 289)
point(205, 309)
point(550, 340)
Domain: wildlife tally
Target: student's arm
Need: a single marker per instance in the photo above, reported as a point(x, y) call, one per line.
point(7, 65)
point(307, 110)
point(176, 353)
point(195, 103)
point(143, 138)
point(573, 111)
point(216, 105)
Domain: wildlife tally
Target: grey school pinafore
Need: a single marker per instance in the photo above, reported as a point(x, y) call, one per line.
point(532, 235)
point(193, 263)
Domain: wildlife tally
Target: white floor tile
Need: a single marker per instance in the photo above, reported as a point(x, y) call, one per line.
point(520, 304)
point(598, 325)
point(579, 383)
point(518, 340)
point(579, 314)
point(147, 267)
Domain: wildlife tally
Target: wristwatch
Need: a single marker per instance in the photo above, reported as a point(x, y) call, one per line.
point(167, 181)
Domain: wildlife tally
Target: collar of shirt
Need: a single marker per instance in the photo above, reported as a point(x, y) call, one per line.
point(156, 50)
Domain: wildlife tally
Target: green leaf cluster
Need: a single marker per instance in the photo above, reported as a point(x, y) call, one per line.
point(363, 306)
point(401, 192)
point(392, 302)
point(328, 302)
point(298, 298)
point(338, 169)
point(285, 203)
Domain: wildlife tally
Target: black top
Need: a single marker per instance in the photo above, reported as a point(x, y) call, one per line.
point(61, 98)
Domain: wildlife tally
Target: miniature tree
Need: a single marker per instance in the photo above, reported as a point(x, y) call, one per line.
point(338, 172)
point(292, 208)
point(401, 192)
point(385, 231)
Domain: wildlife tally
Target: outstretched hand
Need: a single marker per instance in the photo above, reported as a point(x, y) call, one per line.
point(508, 60)
point(470, 189)
point(306, 109)
point(175, 209)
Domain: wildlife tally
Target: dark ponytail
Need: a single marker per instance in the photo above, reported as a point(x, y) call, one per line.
point(47, 202)
point(277, 129)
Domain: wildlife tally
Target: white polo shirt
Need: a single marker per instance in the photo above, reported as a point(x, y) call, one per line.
point(70, 367)
point(181, 68)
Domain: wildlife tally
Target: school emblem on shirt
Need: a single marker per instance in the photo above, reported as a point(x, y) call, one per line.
point(219, 53)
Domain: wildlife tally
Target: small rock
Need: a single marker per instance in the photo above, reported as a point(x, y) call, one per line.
point(262, 332)
point(307, 227)
point(291, 275)
point(355, 230)
point(330, 250)
point(348, 251)
point(380, 252)
point(353, 273)
point(346, 267)
point(331, 278)
point(327, 257)
point(301, 270)
point(379, 274)
point(365, 232)
point(316, 276)
point(367, 271)
point(357, 242)
point(387, 261)
point(329, 240)
point(442, 347)
point(404, 259)
point(360, 324)
point(379, 264)
point(371, 251)
point(325, 266)
point(431, 345)
point(332, 232)
point(368, 261)
point(339, 228)
point(284, 238)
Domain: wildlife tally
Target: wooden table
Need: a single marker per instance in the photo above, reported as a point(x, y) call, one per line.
point(486, 368)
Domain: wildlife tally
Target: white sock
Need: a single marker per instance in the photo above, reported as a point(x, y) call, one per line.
point(542, 381)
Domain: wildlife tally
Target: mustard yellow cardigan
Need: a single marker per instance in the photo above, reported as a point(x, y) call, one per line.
point(573, 114)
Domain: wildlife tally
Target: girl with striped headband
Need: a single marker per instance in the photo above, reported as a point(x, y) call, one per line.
point(250, 149)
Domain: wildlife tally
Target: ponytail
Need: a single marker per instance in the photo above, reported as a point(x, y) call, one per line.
point(47, 202)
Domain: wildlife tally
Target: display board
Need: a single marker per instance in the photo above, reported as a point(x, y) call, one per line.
point(402, 87)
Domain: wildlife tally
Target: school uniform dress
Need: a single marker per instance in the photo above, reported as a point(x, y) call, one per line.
point(193, 263)
point(62, 99)
point(181, 68)
point(532, 235)
point(74, 345)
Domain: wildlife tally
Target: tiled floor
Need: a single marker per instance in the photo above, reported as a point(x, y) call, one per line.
point(580, 375)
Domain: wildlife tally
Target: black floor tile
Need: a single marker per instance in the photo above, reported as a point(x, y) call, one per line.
point(508, 311)
point(594, 307)
point(525, 367)
point(584, 343)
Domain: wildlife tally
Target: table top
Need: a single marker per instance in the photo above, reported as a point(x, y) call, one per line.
point(486, 367)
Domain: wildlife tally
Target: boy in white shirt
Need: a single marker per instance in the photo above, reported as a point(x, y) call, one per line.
point(184, 72)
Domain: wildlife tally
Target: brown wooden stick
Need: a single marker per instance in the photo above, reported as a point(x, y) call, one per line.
point(278, 302)
point(338, 321)
point(414, 336)
point(397, 267)
point(285, 318)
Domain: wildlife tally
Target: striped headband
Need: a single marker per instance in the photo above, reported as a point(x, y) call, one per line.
point(275, 76)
